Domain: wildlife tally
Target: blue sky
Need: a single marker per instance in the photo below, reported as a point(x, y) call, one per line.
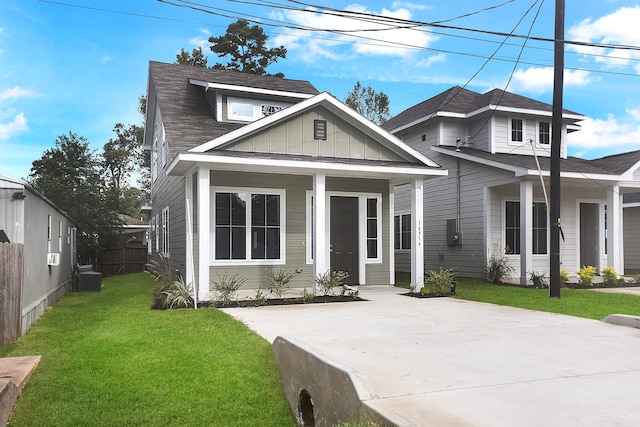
point(80, 65)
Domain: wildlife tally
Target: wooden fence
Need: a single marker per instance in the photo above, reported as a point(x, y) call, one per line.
point(11, 281)
point(115, 261)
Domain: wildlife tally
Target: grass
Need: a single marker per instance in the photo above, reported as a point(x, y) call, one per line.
point(574, 302)
point(107, 359)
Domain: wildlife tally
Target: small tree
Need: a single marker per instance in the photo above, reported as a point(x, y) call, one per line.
point(195, 59)
point(371, 104)
point(244, 46)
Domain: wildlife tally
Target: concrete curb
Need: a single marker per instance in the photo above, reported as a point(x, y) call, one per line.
point(14, 374)
point(335, 393)
point(623, 320)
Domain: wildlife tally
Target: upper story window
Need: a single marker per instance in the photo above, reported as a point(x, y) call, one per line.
point(517, 130)
point(248, 110)
point(544, 132)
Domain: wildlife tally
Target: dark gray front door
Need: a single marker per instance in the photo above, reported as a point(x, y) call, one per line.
point(344, 237)
point(589, 234)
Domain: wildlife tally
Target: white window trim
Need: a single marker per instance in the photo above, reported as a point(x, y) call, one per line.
point(308, 242)
point(164, 228)
point(60, 232)
point(504, 229)
point(256, 108)
point(510, 133)
point(400, 214)
point(248, 261)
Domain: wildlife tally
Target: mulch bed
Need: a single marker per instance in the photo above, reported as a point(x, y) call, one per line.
point(419, 295)
point(284, 301)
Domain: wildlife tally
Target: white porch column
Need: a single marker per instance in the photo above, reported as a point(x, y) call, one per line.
point(320, 259)
point(188, 209)
point(204, 233)
point(526, 229)
point(392, 252)
point(615, 228)
point(417, 246)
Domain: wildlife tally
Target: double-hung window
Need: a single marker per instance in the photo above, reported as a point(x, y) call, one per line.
point(165, 231)
point(512, 228)
point(248, 225)
point(517, 130)
point(402, 232)
point(544, 133)
point(539, 228)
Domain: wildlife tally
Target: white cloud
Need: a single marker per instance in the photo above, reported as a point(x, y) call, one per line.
point(619, 27)
point(17, 125)
point(16, 92)
point(202, 40)
point(409, 5)
point(540, 80)
point(614, 135)
point(340, 36)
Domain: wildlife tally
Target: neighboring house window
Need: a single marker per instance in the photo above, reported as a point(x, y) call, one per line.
point(402, 232)
point(539, 228)
point(517, 130)
point(544, 132)
point(59, 236)
point(512, 228)
point(372, 228)
point(249, 225)
point(165, 230)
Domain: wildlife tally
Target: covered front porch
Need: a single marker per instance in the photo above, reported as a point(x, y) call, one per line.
point(249, 215)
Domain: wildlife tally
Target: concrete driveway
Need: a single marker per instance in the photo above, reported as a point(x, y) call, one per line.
point(448, 362)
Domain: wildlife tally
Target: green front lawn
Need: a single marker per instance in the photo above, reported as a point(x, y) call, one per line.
point(107, 359)
point(574, 302)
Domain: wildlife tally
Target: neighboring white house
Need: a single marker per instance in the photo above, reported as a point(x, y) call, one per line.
point(256, 173)
point(496, 147)
point(49, 239)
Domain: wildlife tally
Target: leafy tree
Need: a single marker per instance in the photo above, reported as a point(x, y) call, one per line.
point(196, 58)
point(69, 175)
point(122, 156)
point(245, 48)
point(371, 104)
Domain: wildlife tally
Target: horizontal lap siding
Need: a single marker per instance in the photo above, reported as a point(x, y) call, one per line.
point(631, 240)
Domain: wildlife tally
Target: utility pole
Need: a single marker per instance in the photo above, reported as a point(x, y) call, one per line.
point(556, 140)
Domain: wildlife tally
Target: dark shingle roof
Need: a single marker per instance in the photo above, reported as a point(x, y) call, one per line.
point(463, 101)
point(186, 114)
point(610, 165)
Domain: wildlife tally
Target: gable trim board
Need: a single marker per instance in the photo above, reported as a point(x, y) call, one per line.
point(247, 89)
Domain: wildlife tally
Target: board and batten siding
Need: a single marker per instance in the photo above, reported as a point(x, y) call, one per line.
point(296, 137)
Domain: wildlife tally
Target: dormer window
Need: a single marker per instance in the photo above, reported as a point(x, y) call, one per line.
point(517, 130)
point(544, 133)
point(241, 110)
point(267, 110)
point(248, 110)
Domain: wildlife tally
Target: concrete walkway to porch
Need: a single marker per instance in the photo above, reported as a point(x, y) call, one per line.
point(447, 362)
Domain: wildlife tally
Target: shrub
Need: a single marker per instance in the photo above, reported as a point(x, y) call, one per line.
point(586, 275)
point(226, 287)
point(438, 282)
point(260, 297)
point(306, 296)
point(564, 275)
point(170, 291)
point(330, 280)
point(538, 280)
point(498, 267)
point(278, 281)
point(610, 276)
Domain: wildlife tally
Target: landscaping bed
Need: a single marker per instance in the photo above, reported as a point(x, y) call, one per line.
point(282, 301)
